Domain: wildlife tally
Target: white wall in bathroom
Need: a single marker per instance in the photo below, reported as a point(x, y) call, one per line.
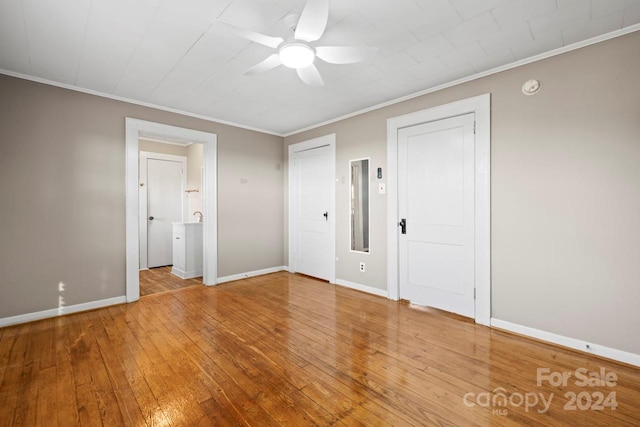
point(194, 180)
point(159, 147)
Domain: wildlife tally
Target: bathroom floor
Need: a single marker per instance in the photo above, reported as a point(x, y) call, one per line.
point(160, 279)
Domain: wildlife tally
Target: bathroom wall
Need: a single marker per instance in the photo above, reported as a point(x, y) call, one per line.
point(194, 179)
point(159, 147)
point(193, 153)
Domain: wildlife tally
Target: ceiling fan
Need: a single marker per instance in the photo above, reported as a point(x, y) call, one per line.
point(297, 52)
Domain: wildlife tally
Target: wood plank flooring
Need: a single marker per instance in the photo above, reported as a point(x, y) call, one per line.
point(160, 279)
point(284, 349)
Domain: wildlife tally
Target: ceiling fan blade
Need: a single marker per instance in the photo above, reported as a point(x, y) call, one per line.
point(310, 75)
point(271, 62)
point(254, 36)
point(313, 20)
point(344, 54)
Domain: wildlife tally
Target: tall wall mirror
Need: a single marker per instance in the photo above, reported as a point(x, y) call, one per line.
point(359, 184)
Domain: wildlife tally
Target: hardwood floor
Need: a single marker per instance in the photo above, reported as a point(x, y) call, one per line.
point(160, 279)
point(285, 349)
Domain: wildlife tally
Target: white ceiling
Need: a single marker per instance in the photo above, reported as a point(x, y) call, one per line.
point(171, 53)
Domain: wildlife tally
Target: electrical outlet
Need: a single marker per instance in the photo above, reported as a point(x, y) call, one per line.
point(362, 267)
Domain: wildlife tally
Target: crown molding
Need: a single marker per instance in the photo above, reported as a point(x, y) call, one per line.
point(536, 58)
point(133, 101)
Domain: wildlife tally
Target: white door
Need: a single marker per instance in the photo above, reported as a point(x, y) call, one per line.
point(312, 204)
point(436, 203)
point(164, 206)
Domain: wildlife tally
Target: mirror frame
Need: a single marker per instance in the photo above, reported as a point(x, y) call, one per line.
point(351, 162)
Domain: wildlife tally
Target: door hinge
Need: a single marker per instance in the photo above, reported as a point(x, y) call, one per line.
point(474, 293)
point(474, 127)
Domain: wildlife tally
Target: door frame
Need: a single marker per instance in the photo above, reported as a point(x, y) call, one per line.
point(135, 129)
point(326, 140)
point(143, 199)
point(481, 107)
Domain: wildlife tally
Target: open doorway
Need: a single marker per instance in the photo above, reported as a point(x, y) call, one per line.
point(139, 134)
point(170, 196)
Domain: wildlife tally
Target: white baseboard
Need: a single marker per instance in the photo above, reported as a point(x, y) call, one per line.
point(576, 344)
point(251, 274)
point(183, 274)
point(363, 288)
point(29, 317)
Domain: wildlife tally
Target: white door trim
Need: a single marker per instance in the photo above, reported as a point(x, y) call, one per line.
point(134, 129)
point(144, 156)
point(481, 106)
point(330, 141)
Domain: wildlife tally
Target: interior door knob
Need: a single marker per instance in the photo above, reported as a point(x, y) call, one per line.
point(326, 216)
point(151, 218)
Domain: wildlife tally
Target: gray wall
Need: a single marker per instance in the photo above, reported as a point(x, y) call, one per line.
point(565, 185)
point(62, 186)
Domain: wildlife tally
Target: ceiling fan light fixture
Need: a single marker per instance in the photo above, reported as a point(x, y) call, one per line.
point(296, 55)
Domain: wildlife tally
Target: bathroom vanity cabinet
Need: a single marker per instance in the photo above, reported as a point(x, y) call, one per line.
point(187, 249)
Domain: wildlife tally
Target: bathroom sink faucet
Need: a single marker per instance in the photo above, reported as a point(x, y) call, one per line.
point(199, 215)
